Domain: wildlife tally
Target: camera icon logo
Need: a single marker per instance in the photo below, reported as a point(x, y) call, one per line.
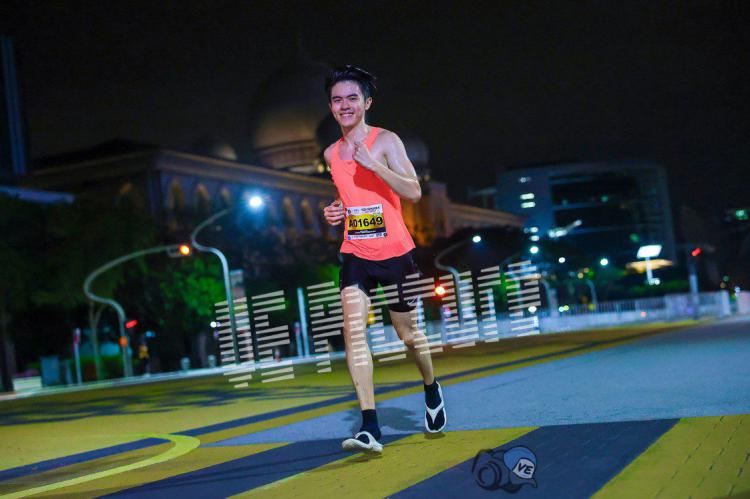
point(508, 470)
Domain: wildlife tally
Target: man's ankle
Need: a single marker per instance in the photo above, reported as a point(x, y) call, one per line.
point(370, 423)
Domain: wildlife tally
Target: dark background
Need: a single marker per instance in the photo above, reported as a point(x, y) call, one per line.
point(486, 86)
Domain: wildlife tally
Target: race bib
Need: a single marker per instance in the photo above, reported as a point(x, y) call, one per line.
point(365, 222)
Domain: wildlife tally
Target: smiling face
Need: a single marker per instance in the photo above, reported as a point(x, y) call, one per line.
point(348, 104)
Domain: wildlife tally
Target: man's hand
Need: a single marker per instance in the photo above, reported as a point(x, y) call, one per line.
point(334, 212)
point(363, 157)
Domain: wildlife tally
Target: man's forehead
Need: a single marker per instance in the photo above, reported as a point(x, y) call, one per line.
point(345, 88)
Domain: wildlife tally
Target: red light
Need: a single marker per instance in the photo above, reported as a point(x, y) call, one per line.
point(440, 290)
point(696, 252)
point(131, 324)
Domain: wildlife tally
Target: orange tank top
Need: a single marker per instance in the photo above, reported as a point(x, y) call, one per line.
point(374, 228)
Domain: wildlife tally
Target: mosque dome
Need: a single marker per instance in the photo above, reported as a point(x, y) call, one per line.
point(286, 112)
point(216, 149)
point(291, 123)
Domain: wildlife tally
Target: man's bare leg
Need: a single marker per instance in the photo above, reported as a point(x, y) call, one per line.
point(406, 327)
point(356, 306)
point(415, 340)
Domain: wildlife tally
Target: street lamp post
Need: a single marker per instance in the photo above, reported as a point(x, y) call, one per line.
point(126, 358)
point(647, 253)
point(456, 277)
point(225, 274)
point(255, 202)
point(592, 288)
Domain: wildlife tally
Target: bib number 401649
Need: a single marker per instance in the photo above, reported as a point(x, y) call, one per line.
point(357, 223)
point(365, 222)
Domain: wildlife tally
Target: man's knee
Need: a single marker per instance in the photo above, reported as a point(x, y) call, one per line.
point(408, 341)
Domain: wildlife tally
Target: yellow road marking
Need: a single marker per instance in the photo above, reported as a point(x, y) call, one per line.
point(199, 459)
point(534, 346)
point(698, 457)
point(182, 445)
point(402, 464)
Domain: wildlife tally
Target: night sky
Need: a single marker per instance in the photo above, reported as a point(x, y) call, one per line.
point(486, 88)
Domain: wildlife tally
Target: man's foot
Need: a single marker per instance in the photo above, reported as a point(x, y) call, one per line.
point(434, 415)
point(363, 441)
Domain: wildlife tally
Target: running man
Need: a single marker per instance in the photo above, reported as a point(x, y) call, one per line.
point(372, 172)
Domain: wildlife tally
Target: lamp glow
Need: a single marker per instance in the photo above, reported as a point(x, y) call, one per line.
point(255, 202)
point(649, 251)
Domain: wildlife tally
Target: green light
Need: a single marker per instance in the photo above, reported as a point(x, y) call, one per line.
point(741, 214)
point(634, 238)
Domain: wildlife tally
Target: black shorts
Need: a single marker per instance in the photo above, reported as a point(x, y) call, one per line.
point(367, 274)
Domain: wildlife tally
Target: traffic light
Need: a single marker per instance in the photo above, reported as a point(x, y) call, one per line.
point(131, 324)
point(696, 252)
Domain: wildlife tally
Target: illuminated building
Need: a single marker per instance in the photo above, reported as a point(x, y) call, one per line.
point(621, 205)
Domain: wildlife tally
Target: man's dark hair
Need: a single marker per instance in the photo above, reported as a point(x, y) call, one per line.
point(365, 80)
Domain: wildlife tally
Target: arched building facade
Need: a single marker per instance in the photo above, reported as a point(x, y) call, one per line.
point(290, 126)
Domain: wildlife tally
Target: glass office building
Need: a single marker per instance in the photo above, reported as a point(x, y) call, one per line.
point(609, 208)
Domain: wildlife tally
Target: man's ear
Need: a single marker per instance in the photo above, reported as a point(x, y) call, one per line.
point(368, 103)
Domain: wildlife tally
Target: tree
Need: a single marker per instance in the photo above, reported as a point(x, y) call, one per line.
point(174, 297)
point(50, 249)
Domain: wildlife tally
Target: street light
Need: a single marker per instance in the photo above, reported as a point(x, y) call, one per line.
point(603, 262)
point(456, 278)
point(254, 202)
point(126, 359)
point(561, 259)
point(592, 288)
point(534, 250)
point(648, 252)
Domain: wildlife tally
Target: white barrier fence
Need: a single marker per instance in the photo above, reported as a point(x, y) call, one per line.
point(672, 307)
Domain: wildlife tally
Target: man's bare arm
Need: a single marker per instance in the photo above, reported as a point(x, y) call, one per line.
point(334, 212)
point(398, 173)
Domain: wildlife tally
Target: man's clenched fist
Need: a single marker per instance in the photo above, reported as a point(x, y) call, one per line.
point(334, 212)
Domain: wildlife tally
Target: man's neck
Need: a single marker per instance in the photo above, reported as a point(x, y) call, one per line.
point(356, 133)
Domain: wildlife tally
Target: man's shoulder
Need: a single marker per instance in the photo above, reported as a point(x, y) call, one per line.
point(386, 136)
point(328, 152)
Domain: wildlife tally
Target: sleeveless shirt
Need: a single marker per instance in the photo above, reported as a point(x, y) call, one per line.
point(374, 227)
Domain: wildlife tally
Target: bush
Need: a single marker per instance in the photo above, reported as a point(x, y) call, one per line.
point(111, 367)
